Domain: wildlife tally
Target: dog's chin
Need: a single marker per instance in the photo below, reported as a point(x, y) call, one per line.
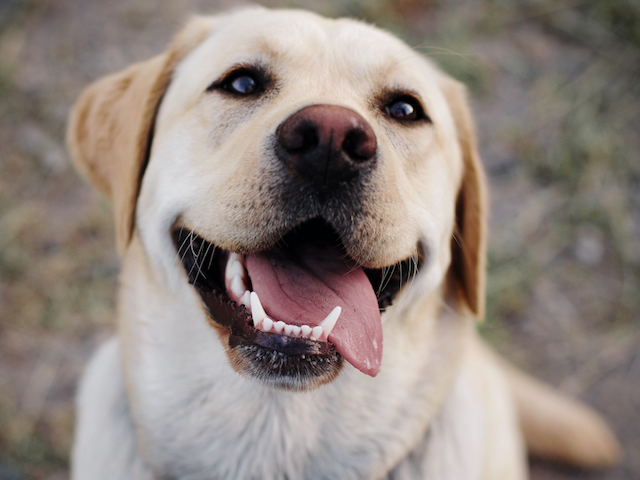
point(278, 344)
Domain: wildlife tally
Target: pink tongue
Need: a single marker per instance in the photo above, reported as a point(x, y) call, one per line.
point(302, 287)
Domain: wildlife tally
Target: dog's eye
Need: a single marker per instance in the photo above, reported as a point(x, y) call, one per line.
point(402, 111)
point(242, 81)
point(243, 84)
point(405, 109)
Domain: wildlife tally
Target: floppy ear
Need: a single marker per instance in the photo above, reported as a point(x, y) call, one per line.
point(111, 126)
point(469, 255)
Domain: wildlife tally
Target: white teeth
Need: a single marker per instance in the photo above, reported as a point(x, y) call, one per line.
point(257, 312)
point(316, 332)
point(262, 322)
point(267, 323)
point(328, 323)
point(234, 266)
point(246, 299)
point(237, 287)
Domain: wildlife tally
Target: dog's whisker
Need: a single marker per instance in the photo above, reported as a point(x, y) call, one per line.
point(179, 255)
point(199, 261)
point(210, 256)
point(456, 238)
point(386, 277)
point(192, 237)
point(414, 265)
point(450, 310)
point(444, 51)
point(423, 207)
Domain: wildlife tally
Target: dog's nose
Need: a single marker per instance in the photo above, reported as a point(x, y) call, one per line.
point(326, 144)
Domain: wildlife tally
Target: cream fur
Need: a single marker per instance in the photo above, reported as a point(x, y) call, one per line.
point(162, 401)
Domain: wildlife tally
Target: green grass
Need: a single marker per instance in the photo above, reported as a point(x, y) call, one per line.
point(573, 156)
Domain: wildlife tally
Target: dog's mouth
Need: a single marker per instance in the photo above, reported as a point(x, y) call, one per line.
point(299, 307)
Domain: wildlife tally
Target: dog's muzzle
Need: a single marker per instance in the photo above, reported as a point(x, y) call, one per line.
point(297, 305)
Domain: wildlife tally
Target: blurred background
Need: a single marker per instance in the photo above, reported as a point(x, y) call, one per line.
point(556, 93)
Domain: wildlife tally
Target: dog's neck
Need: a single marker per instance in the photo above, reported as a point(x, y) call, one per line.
point(195, 414)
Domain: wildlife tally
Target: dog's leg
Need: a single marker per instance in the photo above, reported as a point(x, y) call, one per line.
point(558, 428)
point(105, 444)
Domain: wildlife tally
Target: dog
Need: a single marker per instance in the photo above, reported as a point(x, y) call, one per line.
point(301, 211)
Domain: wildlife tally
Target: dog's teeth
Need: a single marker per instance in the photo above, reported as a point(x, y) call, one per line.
point(328, 323)
point(257, 312)
point(279, 326)
point(267, 323)
point(234, 266)
point(288, 329)
point(316, 332)
point(246, 299)
point(296, 331)
point(306, 331)
point(237, 286)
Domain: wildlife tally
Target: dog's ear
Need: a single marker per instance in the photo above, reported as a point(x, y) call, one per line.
point(111, 125)
point(469, 256)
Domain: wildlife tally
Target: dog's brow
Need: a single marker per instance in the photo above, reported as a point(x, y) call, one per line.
point(265, 47)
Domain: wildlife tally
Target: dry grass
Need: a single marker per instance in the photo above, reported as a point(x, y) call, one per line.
point(556, 91)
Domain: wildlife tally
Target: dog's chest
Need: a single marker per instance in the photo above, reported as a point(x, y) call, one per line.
point(279, 438)
point(273, 435)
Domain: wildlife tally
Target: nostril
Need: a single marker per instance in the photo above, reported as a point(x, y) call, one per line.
point(359, 145)
point(302, 138)
point(306, 138)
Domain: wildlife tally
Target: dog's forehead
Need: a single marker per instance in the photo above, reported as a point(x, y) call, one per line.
point(301, 44)
point(291, 34)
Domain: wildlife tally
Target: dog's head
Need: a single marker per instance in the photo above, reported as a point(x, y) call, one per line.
point(307, 173)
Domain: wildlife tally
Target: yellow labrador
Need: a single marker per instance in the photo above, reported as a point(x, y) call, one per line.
point(301, 211)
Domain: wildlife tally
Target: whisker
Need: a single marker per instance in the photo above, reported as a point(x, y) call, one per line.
point(387, 273)
point(195, 256)
point(180, 249)
point(212, 254)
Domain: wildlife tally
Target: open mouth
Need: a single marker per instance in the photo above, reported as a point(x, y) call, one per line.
point(300, 307)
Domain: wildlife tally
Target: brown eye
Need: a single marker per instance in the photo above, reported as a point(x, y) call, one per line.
point(243, 85)
point(405, 109)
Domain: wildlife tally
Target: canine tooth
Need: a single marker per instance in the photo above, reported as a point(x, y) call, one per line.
point(306, 330)
point(296, 331)
point(279, 326)
point(288, 329)
point(328, 323)
point(246, 299)
point(237, 286)
point(267, 323)
point(316, 332)
point(257, 312)
point(234, 266)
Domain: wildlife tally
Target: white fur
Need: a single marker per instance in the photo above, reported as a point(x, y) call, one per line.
point(281, 440)
point(426, 414)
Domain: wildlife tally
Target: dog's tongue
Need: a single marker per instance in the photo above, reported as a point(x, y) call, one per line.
point(303, 286)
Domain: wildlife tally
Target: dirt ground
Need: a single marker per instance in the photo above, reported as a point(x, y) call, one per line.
point(556, 93)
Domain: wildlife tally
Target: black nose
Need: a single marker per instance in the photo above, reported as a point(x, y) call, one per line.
point(326, 144)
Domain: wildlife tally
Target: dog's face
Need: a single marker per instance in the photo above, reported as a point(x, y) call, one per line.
point(307, 173)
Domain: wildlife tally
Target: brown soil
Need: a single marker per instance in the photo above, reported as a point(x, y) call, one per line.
point(556, 97)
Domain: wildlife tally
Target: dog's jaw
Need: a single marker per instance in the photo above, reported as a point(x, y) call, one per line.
point(300, 343)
